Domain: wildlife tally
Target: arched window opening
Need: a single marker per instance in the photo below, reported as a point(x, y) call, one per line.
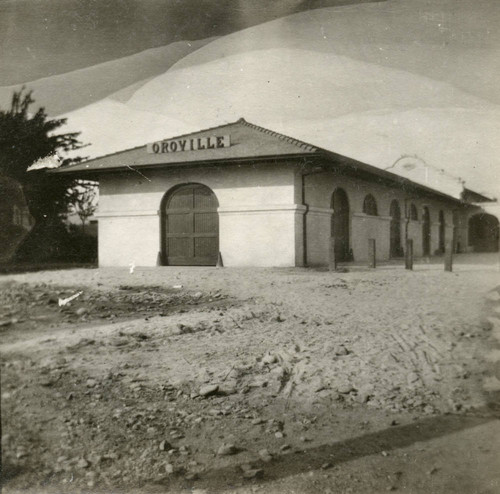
point(395, 231)
point(484, 233)
point(442, 232)
point(370, 205)
point(341, 225)
point(426, 231)
point(413, 213)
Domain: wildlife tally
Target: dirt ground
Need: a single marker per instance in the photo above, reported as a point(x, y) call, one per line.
point(204, 380)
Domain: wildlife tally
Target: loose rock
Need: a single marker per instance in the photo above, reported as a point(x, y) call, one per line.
point(82, 463)
point(269, 359)
point(265, 455)
point(208, 390)
point(227, 449)
point(345, 389)
point(165, 446)
point(253, 473)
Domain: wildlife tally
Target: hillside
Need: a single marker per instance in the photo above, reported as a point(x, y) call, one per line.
point(72, 90)
point(360, 80)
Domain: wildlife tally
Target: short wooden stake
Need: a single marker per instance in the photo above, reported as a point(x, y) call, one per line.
point(372, 253)
point(332, 260)
point(409, 254)
point(448, 257)
point(219, 261)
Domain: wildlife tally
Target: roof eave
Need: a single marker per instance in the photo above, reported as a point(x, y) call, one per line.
point(184, 164)
point(391, 178)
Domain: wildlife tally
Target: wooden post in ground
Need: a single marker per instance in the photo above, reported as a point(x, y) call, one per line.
point(219, 261)
point(372, 261)
point(448, 256)
point(409, 254)
point(332, 260)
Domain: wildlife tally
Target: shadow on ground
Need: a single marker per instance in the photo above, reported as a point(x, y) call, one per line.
point(340, 452)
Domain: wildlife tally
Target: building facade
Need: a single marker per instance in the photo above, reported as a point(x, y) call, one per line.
point(260, 198)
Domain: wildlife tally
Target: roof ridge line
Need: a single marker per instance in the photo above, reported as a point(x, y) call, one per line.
point(240, 120)
point(201, 130)
point(292, 140)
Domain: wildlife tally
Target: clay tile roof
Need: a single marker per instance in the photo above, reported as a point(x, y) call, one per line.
point(247, 141)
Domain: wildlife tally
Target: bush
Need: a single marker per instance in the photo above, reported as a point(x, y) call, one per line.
point(54, 243)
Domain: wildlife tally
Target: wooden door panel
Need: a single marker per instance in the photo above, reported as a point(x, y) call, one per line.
point(179, 246)
point(181, 199)
point(192, 227)
point(206, 223)
point(204, 199)
point(205, 247)
point(179, 223)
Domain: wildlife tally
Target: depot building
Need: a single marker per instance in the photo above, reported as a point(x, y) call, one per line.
point(253, 197)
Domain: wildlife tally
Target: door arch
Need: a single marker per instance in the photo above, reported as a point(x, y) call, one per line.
point(484, 233)
point(190, 226)
point(442, 232)
point(426, 232)
point(395, 230)
point(340, 225)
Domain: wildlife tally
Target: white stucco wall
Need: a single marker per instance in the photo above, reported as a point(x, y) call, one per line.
point(318, 227)
point(260, 237)
point(132, 237)
point(257, 214)
point(261, 216)
point(365, 227)
point(318, 192)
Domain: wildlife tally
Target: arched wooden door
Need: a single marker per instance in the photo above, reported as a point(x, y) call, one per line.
point(395, 230)
point(340, 225)
point(190, 227)
point(426, 232)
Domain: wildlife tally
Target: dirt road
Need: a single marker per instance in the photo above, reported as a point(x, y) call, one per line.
point(240, 380)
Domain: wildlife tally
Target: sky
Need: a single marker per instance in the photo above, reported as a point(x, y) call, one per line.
point(373, 80)
point(40, 38)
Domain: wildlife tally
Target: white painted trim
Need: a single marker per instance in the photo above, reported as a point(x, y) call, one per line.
point(364, 216)
point(259, 208)
point(126, 214)
point(320, 211)
point(263, 208)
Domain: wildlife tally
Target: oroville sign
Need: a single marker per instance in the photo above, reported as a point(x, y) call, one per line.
point(189, 144)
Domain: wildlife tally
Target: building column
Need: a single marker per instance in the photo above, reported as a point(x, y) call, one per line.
point(318, 233)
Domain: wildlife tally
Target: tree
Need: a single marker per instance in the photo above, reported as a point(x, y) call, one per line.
point(25, 138)
point(84, 203)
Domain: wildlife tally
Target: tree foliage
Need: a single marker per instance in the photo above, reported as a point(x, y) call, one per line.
point(84, 203)
point(26, 137)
